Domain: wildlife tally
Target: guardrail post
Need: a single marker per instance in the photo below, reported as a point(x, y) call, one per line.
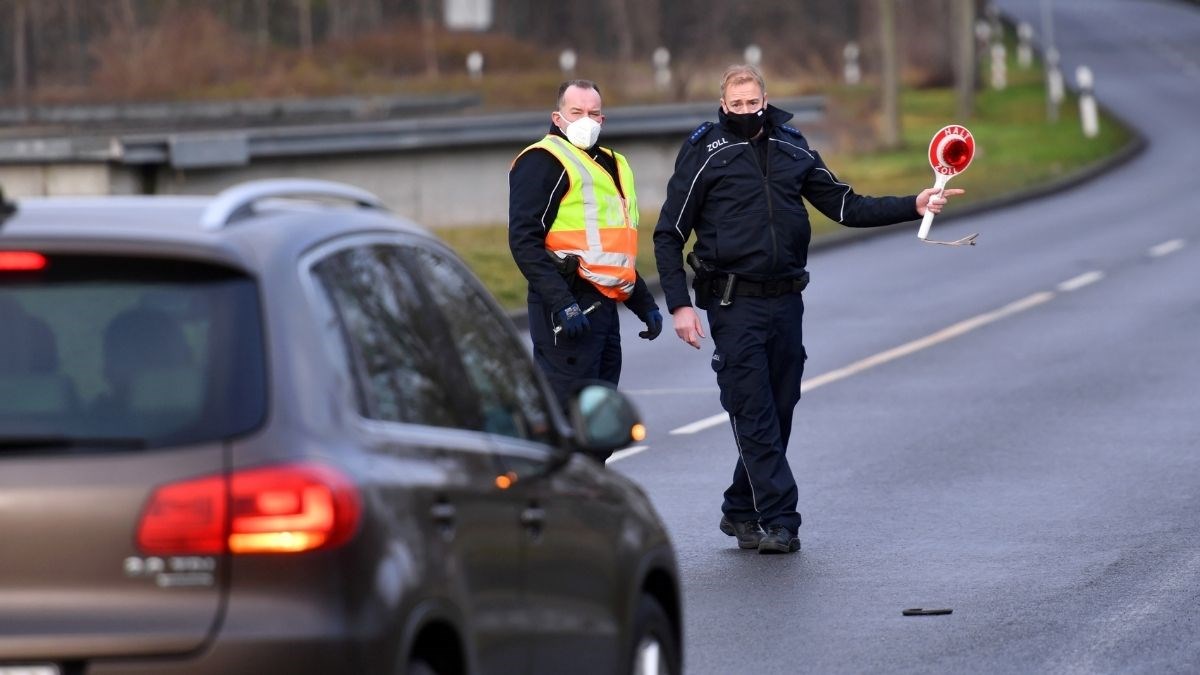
point(566, 63)
point(475, 66)
point(852, 72)
point(999, 66)
point(753, 55)
point(662, 68)
point(983, 33)
point(1088, 116)
point(1054, 84)
point(1024, 45)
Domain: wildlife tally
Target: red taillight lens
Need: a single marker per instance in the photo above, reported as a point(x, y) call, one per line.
point(288, 508)
point(21, 261)
point(185, 517)
point(292, 508)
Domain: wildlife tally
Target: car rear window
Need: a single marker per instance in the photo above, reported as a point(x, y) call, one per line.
point(100, 351)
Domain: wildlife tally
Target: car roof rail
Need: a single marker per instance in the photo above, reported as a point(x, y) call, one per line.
point(237, 202)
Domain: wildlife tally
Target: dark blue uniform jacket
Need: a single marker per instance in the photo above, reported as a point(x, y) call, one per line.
point(749, 216)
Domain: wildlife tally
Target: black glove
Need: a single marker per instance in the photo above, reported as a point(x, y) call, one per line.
point(573, 321)
point(653, 320)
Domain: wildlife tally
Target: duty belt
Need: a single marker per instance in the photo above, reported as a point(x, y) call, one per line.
point(769, 288)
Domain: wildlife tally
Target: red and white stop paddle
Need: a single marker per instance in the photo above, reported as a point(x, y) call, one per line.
point(950, 152)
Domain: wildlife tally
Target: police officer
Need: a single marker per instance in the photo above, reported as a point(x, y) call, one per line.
point(572, 229)
point(738, 186)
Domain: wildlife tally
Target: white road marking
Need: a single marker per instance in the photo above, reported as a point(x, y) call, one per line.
point(1080, 281)
point(957, 330)
point(702, 424)
point(1165, 248)
point(894, 353)
point(627, 452)
point(676, 391)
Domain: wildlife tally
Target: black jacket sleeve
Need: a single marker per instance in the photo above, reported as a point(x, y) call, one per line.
point(536, 185)
point(676, 221)
point(641, 301)
point(840, 203)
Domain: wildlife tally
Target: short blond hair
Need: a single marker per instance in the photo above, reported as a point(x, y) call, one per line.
point(740, 74)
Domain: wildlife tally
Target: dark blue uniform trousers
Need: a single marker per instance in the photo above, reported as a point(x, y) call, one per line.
point(596, 355)
point(759, 361)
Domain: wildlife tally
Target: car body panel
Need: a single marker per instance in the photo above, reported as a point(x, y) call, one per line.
point(74, 583)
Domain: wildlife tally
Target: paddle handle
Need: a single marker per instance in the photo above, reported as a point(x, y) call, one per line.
point(939, 184)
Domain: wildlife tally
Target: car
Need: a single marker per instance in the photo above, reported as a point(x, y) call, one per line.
point(281, 429)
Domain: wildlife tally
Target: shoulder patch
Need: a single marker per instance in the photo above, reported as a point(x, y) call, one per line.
point(791, 130)
point(699, 132)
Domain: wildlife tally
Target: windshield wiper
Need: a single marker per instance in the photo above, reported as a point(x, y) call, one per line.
point(70, 442)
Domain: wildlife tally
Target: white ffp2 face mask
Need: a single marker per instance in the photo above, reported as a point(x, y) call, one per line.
point(583, 132)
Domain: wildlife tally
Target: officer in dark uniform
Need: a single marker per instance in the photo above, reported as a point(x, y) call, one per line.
point(739, 185)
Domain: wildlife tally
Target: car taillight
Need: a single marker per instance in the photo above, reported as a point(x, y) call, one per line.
point(21, 261)
point(291, 508)
point(288, 508)
point(185, 517)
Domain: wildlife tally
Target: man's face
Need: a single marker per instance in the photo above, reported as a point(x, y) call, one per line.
point(577, 103)
point(743, 97)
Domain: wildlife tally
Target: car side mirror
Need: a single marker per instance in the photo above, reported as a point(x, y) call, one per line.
point(603, 419)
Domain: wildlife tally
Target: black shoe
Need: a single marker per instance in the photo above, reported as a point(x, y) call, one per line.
point(748, 533)
point(779, 540)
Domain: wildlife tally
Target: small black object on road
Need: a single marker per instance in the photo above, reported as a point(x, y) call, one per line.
point(920, 611)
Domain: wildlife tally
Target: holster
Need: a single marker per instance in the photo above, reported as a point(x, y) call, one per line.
point(702, 281)
point(568, 267)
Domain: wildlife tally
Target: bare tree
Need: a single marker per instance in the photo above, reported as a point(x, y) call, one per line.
point(304, 17)
point(76, 42)
point(623, 30)
point(128, 15)
point(262, 31)
point(964, 62)
point(890, 133)
point(20, 64)
point(429, 37)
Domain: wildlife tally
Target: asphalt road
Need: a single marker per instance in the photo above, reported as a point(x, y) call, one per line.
point(1010, 430)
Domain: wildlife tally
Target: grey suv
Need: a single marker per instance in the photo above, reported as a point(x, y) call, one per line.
point(283, 431)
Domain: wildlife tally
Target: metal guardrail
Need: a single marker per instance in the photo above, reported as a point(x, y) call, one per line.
point(240, 147)
point(185, 114)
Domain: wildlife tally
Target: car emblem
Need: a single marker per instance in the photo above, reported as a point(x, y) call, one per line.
point(173, 571)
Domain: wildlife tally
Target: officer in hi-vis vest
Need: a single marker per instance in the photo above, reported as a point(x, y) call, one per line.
point(572, 229)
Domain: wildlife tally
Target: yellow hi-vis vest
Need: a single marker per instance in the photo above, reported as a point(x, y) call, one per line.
point(595, 222)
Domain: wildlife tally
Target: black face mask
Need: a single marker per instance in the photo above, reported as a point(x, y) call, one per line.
point(746, 125)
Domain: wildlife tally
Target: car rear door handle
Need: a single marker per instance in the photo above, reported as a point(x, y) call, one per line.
point(533, 517)
point(443, 513)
